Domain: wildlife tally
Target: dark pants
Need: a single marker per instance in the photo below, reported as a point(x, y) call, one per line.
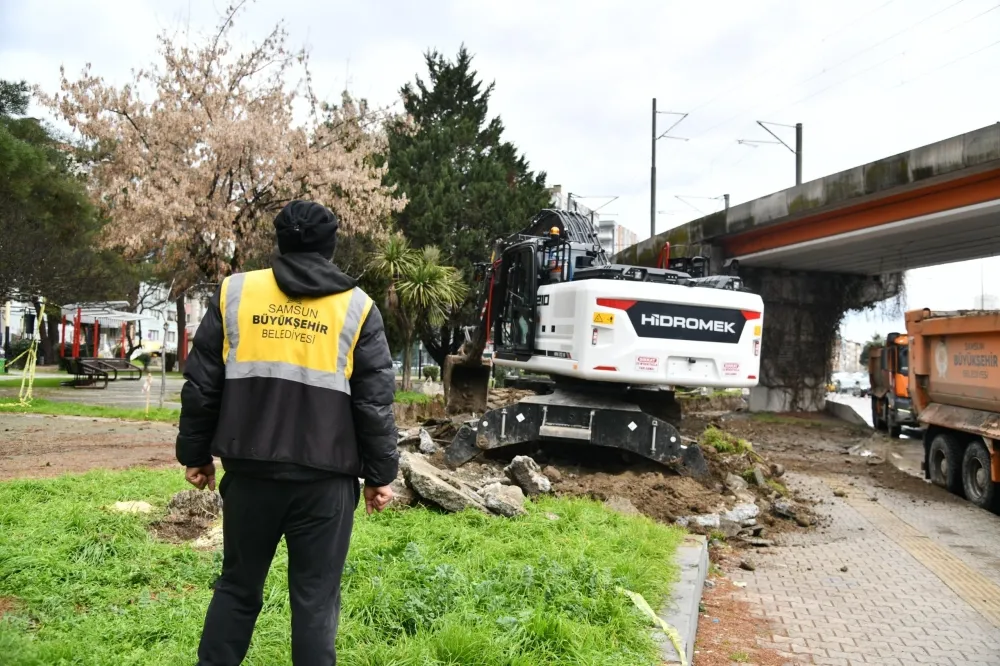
point(316, 518)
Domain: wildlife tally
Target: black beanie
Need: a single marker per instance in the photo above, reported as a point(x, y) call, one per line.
point(306, 226)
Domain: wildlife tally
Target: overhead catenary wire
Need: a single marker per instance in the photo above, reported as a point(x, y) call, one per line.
point(826, 70)
point(782, 59)
point(838, 83)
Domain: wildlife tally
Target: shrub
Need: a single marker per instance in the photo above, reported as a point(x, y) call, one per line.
point(432, 372)
point(171, 359)
point(17, 347)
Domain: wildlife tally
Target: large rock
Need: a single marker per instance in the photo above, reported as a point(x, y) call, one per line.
point(741, 513)
point(409, 438)
point(784, 508)
point(504, 500)
point(438, 486)
point(736, 484)
point(196, 504)
point(704, 521)
point(427, 444)
point(728, 527)
point(622, 505)
point(526, 473)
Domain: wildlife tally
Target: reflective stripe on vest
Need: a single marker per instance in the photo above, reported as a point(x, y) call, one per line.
point(306, 340)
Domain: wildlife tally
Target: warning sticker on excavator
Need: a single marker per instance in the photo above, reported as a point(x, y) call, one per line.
point(647, 363)
point(604, 318)
point(756, 330)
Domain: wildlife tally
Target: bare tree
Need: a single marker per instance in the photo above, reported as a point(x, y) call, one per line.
point(192, 172)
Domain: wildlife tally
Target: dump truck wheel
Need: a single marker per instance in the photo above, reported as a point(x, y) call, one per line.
point(890, 423)
point(876, 417)
point(944, 461)
point(979, 488)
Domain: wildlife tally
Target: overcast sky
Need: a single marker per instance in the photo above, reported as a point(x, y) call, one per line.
point(867, 78)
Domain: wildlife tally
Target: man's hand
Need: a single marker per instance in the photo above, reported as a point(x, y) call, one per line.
point(199, 477)
point(376, 499)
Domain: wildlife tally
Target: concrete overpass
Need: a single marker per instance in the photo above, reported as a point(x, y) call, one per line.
point(841, 242)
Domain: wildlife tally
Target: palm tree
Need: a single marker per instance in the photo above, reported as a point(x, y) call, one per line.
point(421, 290)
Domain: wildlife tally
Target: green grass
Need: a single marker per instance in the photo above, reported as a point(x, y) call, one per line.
point(739, 657)
point(421, 588)
point(40, 406)
point(778, 487)
point(413, 398)
point(165, 415)
point(40, 382)
point(722, 441)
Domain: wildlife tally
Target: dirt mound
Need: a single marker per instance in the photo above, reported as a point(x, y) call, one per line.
point(180, 529)
point(659, 494)
point(192, 513)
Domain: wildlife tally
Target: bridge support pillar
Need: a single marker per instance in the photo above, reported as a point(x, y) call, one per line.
point(802, 314)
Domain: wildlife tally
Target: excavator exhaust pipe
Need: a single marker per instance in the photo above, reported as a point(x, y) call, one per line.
point(466, 384)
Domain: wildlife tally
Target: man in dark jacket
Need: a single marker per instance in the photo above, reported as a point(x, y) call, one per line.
point(290, 383)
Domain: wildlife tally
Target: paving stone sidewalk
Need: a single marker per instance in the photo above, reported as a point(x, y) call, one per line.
point(896, 580)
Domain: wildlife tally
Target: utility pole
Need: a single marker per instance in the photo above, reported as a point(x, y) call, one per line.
point(652, 166)
point(652, 179)
point(797, 151)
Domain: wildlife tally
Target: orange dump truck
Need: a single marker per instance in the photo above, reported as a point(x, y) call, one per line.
point(889, 375)
point(955, 388)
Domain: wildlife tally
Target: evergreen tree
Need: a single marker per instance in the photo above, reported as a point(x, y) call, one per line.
point(465, 185)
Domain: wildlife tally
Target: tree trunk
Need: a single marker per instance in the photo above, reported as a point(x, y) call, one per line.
point(181, 326)
point(441, 344)
point(53, 326)
point(407, 362)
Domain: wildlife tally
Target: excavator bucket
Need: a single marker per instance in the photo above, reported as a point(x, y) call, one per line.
point(466, 384)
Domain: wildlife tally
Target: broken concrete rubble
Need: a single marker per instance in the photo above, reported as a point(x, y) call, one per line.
point(729, 528)
point(736, 484)
point(505, 500)
point(438, 486)
point(427, 444)
point(742, 513)
point(704, 521)
point(526, 473)
point(402, 495)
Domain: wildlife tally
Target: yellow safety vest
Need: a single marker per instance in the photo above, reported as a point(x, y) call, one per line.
point(306, 340)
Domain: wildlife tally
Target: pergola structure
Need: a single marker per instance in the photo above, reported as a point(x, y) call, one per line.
point(95, 316)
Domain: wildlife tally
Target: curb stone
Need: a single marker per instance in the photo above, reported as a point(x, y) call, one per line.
point(681, 609)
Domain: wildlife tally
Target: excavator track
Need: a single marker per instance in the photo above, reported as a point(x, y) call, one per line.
point(578, 418)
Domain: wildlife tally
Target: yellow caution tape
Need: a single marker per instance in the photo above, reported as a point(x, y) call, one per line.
point(24, 396)
point(671, 632)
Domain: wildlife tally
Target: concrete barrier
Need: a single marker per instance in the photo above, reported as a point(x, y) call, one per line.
point(845, 413)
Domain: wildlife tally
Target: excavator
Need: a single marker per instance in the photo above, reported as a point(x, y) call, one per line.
point(608, 343)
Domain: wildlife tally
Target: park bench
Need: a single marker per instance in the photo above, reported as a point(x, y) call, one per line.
point(119, 368)
point(87, 373)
